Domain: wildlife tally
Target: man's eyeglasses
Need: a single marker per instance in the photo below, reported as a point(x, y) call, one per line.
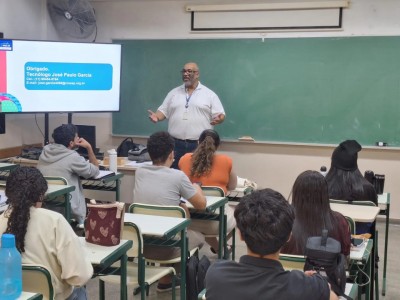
point(189, 71)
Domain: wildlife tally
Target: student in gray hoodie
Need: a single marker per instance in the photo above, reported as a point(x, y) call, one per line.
point(61, 159)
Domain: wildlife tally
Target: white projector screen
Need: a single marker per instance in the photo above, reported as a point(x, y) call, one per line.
point(41, 76)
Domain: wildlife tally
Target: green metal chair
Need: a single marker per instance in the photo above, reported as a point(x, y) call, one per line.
point(59, 204)
point(352, 224)
point(165, 211)
point(37, 279)
point(375, 237)
point(139, 275)
point(219, 192)
point(292, 262)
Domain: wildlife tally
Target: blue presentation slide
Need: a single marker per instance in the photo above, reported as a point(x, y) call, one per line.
point(37, 76)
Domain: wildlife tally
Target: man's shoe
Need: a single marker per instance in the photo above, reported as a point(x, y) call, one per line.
point(166, 287)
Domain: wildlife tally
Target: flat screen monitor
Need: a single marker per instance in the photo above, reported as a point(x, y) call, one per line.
point(87, 132)
point(42, 76)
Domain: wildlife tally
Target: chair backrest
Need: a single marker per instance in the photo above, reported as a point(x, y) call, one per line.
point(209, 190)
point(157, 210)
point(358, 202)
point(292, 262)
point(37, 279)
point(132, 232)
point(56, 180)
point(352, 224)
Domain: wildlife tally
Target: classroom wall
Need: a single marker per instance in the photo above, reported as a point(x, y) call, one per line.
point(270, 165)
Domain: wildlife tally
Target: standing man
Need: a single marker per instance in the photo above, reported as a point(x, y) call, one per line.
point(61, 159)
point(190, 109)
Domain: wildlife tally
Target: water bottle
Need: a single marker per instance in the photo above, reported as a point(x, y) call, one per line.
point(10, 269)
point(323, 171)
point(113, 160)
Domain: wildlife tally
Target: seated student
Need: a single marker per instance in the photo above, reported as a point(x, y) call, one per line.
point(310, 201)
point(264, 219)
point(44, 237)
point(61, 159)
point(160, 185)
point(345, 181)
point(209, 168)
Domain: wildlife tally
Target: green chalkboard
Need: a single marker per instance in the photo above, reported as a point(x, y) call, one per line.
point(305, 90)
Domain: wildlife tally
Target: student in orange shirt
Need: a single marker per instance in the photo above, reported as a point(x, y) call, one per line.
point(207, 167)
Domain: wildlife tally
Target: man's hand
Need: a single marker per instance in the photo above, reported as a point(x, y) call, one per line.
point(218, 119)
point(83, 143)
point(152, 116)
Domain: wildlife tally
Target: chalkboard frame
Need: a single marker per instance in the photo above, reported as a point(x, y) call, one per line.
point(296, 90)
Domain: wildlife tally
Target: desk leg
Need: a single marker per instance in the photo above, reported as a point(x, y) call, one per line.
point(117, 191)
point(67, 207)
point(386, 247)
point(124, 289)
point(222, 237)
point(184, 251)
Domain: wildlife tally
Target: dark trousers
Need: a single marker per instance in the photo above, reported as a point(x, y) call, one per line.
point(181, 148)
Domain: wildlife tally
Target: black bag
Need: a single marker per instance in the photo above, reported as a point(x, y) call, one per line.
point(126, 145)
point(195, 274)
point(323, 254)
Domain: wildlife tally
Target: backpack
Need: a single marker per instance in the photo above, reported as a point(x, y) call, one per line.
point(139, 153)
point(323, 254)
point(126, 145)
point(195, 274)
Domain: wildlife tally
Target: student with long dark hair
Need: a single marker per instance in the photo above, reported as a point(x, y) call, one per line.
point(44, 237)
point(313, 213)
point(345, 181)
point(210, 169)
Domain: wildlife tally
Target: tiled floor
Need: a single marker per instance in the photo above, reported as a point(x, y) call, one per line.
point(393, 265)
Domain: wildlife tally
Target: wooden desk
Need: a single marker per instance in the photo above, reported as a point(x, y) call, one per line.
point(359, 213)
point(7, 167)
point(109, 183)
point(53, 191)
point(30, 296)
point(102, 257)
point(361, 256)
point(365, 214)
point(384, 205)
point(214, 203)
point(159, 230)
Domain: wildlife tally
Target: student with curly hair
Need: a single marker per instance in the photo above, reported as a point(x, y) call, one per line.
point(44, 237)
point(210, 169)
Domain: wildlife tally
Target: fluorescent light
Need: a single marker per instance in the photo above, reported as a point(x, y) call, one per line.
point(268, 6)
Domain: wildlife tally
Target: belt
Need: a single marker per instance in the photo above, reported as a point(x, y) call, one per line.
point(186, 141)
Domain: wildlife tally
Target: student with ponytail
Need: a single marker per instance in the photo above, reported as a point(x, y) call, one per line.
point(44, 237)
point(209, 168)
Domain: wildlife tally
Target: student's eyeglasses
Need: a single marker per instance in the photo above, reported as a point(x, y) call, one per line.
point(189, 71)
